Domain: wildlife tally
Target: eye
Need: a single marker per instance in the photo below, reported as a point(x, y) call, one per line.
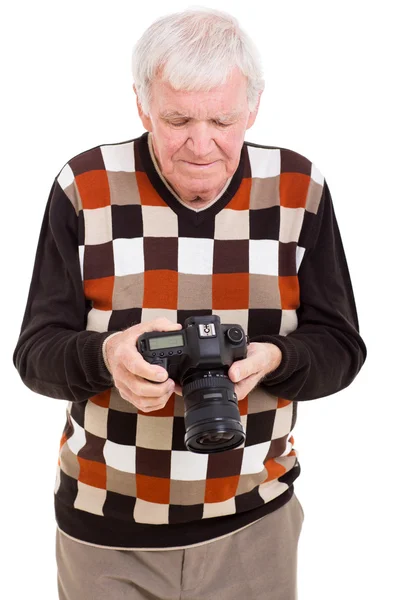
point(178, 123)
point(219, 124)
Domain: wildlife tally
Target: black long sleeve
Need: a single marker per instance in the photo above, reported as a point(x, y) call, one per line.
point(325, 353)
point(55, 355)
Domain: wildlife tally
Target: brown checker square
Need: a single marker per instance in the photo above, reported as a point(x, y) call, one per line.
point(92, 473)
point(292, 162)
point(122, 319)
point(121, 482)
point(93, 449)
point(93, 189)
point(231, 256)
point(293, 189)
point(290, 292)
point(160, 253)
point(128, 291)
point(241, 200)
point(160, 289)
point(124, 190)
point(91, 160)
point(224, 464)
point(126, 221)
point(277, 447)
point(148, 195)
point(264, 291)
point(152, 489)
point(187, 492)
point(100, 292)
point(194, 292)
point(230, 291)
point(98, 261)
point(156, 462)
point(287, 259)
point(264, 192)
point(221, 488)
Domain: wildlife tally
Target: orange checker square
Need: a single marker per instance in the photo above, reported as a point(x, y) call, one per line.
point(241, 200)
point(282, 403)
point(290, 292)
point(160, 289)
point(148, 195)
point(274, 469)
point(230, 291)
point(92, 473)
point(220, 489)
point(102, 399)
point(94, 189)
point(63, 440)
point(153, 489)
point(100, 292)
point(243, 406)
point(293, 189)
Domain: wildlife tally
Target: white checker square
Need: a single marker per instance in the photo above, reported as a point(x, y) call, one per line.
point(81, 250)
point(58, 479)
point(128, 256)
point(299, 257)
point(291, 223)
point(120, 457)
point(235, 317)
point(159, 221)
point(219, 509)
point(232, 225)
point(77, 439)
point(316, 175)
point(289, 321)
point(90, 499)
point(188, 466)
point(98, 227)
point(66, 177)
point(253, 458)
point(195, 256)
point(96, 419)
point(264, 162)
point(98, 320)
point(119, 157)
point(264, 257)
point(283, 421)
point(149, 512)
point(148, 314)
point(272, 489)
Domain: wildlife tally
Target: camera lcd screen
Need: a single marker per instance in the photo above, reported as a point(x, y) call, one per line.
point(168, 341)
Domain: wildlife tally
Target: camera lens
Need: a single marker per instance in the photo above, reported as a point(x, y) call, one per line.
point(212, 418)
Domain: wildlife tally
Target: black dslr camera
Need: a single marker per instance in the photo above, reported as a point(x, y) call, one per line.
point(198, 357)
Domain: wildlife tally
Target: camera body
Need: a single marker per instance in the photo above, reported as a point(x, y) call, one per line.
point(198, 357)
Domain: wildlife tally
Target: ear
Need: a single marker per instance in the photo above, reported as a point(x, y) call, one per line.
point(147, 124)
point(253, 114)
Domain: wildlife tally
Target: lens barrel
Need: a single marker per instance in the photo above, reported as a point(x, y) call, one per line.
point(212, 417)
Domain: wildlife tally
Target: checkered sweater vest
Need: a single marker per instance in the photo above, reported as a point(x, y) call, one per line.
point(117, 248)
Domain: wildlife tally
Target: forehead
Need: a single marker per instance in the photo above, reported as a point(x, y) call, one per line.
point(229, 98)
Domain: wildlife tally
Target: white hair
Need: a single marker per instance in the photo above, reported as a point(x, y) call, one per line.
point(195, 50)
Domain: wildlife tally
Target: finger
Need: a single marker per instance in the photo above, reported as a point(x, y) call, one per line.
point(143, 404)
point(178, 389)
point(244, 387)
point(137, 365)
point(253, 363)
point(144, 388)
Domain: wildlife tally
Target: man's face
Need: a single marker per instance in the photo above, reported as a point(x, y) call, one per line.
point(197, 136)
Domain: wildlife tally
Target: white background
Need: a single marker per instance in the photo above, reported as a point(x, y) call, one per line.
point(331, 72)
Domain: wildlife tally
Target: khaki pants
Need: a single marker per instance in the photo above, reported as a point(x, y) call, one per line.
point(256, 563)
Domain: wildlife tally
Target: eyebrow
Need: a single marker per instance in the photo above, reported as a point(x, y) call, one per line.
point(175, 114)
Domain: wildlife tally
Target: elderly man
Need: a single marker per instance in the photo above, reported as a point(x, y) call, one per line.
point(186, 220)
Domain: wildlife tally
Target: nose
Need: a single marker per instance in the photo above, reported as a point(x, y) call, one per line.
point(200, 141)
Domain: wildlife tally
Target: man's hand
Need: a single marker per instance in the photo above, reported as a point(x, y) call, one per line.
point(130, 371)
point(261, 359)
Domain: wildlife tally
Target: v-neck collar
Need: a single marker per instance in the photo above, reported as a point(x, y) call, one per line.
point(196, 218)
